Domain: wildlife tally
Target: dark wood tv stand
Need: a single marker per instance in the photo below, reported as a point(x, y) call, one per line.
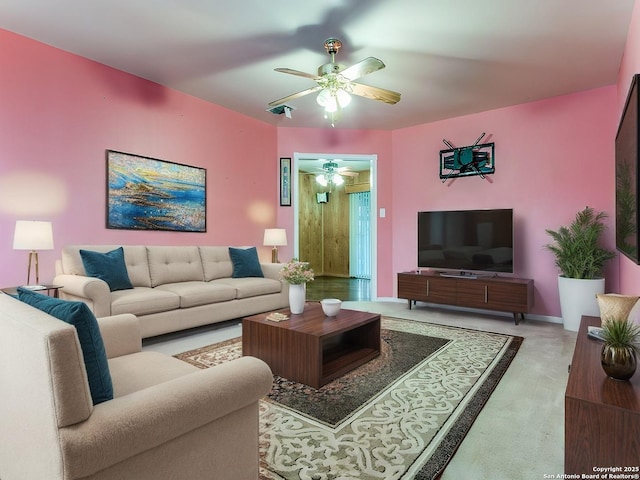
point(601, 415)
point(504, 294)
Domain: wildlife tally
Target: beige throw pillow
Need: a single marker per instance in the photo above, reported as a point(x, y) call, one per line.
point(615, 306)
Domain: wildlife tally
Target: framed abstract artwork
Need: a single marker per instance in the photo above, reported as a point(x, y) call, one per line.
point(285, 182)
point(627, 154)
point(149, 194)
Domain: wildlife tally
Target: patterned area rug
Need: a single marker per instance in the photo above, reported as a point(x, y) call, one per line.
point(400, 416)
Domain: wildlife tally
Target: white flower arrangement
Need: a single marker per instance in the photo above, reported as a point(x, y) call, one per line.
point(296, 272)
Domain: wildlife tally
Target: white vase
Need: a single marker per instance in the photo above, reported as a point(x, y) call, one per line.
point(578, 298)
point(297, 297)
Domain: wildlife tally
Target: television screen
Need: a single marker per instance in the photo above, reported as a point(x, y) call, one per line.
point(627, 180)
point(466, 240)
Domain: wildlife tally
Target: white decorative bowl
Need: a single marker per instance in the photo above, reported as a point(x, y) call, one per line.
point(331, 306)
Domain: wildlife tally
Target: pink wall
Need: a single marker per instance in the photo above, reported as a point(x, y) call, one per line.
point(629, 271)
point(553, 158)
point(59, 114)
point(355, 142)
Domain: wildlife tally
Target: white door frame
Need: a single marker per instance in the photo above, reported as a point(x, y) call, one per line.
point(373, 167)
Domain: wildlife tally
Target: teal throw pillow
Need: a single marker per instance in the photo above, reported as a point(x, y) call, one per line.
point(81, 317)
point(245, 262)
point(109, 267)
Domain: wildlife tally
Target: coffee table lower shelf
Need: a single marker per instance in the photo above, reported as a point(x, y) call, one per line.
point(342, 360)
point(311, 348)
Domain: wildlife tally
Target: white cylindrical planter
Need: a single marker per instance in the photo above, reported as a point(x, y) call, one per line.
point(578, 298)
point(297, 297)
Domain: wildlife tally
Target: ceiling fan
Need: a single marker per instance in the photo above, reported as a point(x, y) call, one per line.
point(331, 174)
point(336, 82)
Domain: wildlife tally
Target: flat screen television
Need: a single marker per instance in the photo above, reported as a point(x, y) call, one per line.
point(466, 241)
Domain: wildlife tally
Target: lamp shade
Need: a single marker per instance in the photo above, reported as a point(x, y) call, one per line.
point(33, 235)
point(275, 237)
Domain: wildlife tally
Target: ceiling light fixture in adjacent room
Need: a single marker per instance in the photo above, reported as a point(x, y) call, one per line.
point(330, 176)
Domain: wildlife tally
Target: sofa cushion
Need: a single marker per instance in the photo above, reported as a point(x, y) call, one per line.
point(109, 267)
point(193, 294)
point(174, 264)
point(80, 316)
point(251, 286)
point(216, 262)
point(140, 370)
point(135, 258)
point(245, 262)
point(143, 301)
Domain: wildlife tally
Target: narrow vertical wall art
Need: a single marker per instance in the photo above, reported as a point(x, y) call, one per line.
point(285, 182)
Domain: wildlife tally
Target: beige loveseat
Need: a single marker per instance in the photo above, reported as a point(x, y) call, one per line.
point(167, 420)
point(175, 287)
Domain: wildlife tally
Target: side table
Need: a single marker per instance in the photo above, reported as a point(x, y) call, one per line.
point(36, 288)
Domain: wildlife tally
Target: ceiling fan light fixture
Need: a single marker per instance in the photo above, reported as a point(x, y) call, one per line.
point(331, 101)
point(330, 178)
point(344, 99)
point(322, 180)
point(336, 83)
point(323, 97)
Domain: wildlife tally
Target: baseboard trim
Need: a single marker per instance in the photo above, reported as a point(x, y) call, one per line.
point(529, 316)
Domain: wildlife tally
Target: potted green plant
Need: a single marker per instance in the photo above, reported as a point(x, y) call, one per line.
point(619, 352)
point(580, 257)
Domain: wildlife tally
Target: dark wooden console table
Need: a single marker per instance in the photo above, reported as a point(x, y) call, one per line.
point(504, 294)
point(602, 415)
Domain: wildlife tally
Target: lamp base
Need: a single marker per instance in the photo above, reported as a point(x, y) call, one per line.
point(274, 255)
point(33, 256)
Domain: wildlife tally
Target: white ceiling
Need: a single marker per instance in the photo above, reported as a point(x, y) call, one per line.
point(447, 57)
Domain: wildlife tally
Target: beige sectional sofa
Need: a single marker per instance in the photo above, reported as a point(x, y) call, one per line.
point(166, 420)
point(174, 287)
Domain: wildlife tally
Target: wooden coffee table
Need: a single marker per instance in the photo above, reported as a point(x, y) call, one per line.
point(311, 348)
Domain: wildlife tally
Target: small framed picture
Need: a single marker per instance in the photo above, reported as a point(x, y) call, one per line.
point(322, 197)
point(285, 182)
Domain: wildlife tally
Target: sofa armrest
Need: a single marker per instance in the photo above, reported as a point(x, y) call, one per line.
point(126, 426)
point(90, 290)
point(121, 334)
point(272, 270)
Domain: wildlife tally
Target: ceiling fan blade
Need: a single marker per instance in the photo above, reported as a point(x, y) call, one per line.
point(347, 173)
point(277, 103)
point(360, 69)
point(374, 93)
point(297, 72)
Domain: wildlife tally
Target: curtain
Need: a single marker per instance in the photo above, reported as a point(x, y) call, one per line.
point(359, 235)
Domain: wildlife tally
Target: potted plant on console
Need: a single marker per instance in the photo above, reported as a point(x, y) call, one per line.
point(580, 257)
point(619, 350)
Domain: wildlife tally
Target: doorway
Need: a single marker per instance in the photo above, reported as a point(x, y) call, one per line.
point(307, 164)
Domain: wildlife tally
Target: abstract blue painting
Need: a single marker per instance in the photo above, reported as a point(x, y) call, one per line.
point(149, 194)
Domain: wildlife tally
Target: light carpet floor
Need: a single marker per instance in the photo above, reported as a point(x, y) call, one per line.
point(520, 432)
point(400, 416)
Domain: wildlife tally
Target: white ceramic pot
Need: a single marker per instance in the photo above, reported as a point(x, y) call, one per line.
point(297, 297)
point(578, 298)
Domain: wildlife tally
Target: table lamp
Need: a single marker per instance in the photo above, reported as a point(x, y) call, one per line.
point(275, 237)
point(33, 236)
